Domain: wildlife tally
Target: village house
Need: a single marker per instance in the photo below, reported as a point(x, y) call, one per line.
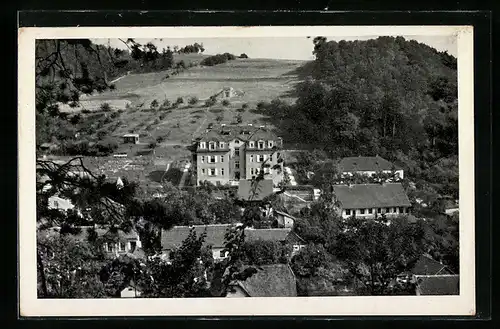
point(215, 235)
point(131, 291)
point(424, 266)
point(276, 280)
point(131, 138)
point(368, 166)
point(283, 219)
point(227, 153)
point(371, 200)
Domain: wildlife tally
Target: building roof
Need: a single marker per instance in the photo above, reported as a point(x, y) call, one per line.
point(131, 135)
point(275, 280)
point(255, 191)
point(284, 214)
point(359, 196)
point(376, 163)
point(426, 265)
point(227, 133)
point(438, 284)
point(173, 238)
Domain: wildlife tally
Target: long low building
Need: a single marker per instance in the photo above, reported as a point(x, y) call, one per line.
point(215, 238)
point(371, 200)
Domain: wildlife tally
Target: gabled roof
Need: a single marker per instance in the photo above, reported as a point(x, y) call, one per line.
point(360, 196)
point(83, 233)
point(255, 191)
point(275, 280)
point(438, 284)
point(173, 238)
point(284, 214)
point(426, 265)
point(376, 163)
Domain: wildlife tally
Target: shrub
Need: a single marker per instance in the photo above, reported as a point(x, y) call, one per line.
point(181, 64)
point(101, 134)
point(105, 121)
point(238, 118)
point(219, 118)
point(240, 110)
point(262, 105)
point(166, 104)
point(243, 55)
point(157, 121)
point(105, 107)
point(193, 121)
point(162, 116)
point(152, 145)
point(179, 100)
point(112, 87)
point(121, 110)
point(244, 106)
point(115, 115)
point(217, 59)
point(193, 100)
point(225, 102)
point(160, 139)
point(85, 111)
point(210, 102)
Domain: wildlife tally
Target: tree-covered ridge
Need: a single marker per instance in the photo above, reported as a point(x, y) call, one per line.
point(387, 96)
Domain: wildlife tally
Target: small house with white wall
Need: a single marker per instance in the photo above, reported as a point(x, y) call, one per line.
point(283, 219)
point(368, 166)
point(371, 200)
point(131, 138)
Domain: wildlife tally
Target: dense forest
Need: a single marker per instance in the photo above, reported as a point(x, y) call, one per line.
point(387, 96)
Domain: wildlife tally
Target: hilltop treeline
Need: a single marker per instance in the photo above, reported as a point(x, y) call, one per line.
point(388, 96)
point(217, 59)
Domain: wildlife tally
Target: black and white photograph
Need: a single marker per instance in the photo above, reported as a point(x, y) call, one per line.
point(192, 164)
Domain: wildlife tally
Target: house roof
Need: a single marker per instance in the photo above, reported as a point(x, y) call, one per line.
point(426, 265)
point(376, 163)
point(275, 280)
point(173, 238)
point(242, 132)
point(284, 214)
point(131, 135)
point(360, 196)
point(250, 191)
point(438, 284)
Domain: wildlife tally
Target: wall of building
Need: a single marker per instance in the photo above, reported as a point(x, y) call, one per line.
point(56, 202)
point(391, 211)
point(399, 172)
point(203, 167)
point(130, 292)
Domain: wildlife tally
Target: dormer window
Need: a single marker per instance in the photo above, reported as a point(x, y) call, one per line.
point(251, 144)
point(261, 144)
point(203, 145)
point(270, 144)
point(211, 146)
point(221, 145)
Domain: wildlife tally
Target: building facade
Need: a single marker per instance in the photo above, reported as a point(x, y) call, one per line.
point(225, 154)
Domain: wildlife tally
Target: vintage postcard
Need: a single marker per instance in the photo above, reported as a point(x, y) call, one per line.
point(218, 171)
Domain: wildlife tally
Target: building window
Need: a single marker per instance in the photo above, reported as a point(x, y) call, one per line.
point(379, 210)
point(203, 171)
point(222, 254)
point(401, 210)
point(270, 144)
point(56, 204)
point(237, 164)
point(222, 171)
point(212, 172)
point(251, 144)
point(211, 146)
point(203, 145)
point(237, 142)
point(132, 245)
point(212, 159)
point(348, 212)
point(221, 145)
point(261, 158)
point(108, 246)
point(221, 158)
point(362, 211)
point(251, 171)
point(261, 144)
point(202, 159)
point(296, 247)
point(121, 246)
point(251, 158)
point(237, 152)
point(370, 210)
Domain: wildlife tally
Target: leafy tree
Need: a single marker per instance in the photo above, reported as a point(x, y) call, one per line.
point(262, 252)
point(219, 118)
point(310, 259)
point(377, 251)
point(238, 118)
point(193, 100)
point(225, 102)
point(154, 104)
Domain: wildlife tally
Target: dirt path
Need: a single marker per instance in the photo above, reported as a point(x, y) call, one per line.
point(123, 76)
point(201, 124)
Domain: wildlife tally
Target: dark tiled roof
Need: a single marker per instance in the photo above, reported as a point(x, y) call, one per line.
point(426, 265)
point(247, 190)
point(375, 163)
point(173, 238)
point(438, 284)
point(275, 280)
point(359, 196)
